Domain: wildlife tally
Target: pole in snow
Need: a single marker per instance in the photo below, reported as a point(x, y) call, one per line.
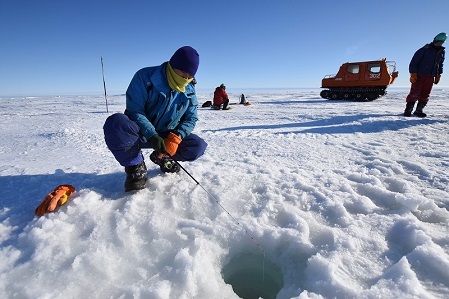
point(104, 85)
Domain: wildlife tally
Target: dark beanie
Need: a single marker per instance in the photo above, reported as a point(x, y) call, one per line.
point(185, 59)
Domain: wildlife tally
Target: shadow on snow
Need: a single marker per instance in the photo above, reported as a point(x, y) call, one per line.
point(21, 194)
point(363, 123)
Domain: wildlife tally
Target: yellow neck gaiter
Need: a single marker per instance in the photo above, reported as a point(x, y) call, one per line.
point(175, 81)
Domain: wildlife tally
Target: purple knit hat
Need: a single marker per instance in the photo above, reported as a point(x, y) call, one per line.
point(185, 59)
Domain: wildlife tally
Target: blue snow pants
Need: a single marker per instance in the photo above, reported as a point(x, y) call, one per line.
point(124, 140)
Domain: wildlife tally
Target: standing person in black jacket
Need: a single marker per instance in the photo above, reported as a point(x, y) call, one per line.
point(425, 69)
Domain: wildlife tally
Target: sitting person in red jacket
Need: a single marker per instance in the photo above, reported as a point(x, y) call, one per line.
point(221, 98)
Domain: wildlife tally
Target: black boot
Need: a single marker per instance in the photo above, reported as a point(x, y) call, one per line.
point(225, 104)
point(136, 176)
point(409, 108)
point(418, 112)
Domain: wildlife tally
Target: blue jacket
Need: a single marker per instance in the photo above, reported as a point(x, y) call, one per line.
point(428, 61)
point(156, 108)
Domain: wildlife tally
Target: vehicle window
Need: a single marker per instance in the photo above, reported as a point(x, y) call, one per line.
point(374, 68)
point(353, 68)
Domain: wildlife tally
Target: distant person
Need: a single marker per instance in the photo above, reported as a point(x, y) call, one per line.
point(425, 69)
point(243, 100)
point(221, 99)
point(161, 112)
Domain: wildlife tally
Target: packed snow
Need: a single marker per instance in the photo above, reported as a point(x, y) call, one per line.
point(298, 197)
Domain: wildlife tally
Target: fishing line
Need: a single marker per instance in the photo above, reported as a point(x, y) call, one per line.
point(229, 214)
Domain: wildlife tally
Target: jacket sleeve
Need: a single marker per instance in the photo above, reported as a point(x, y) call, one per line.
point(136, 97)
point(416, 59)
point(440, 69)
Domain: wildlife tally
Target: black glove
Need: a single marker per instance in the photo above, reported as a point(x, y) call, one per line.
point(157, 143)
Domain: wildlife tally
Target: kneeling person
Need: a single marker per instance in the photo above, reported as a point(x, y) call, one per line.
point(161, 113)
point(220, 98)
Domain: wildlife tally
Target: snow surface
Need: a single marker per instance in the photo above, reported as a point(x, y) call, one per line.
point(303, 198)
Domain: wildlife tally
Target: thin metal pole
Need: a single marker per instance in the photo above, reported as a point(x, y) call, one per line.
point(104, 85)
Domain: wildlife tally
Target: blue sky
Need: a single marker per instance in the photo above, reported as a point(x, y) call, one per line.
point(54, 47)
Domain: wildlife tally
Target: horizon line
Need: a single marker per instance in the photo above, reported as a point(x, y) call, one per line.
point(202, 89)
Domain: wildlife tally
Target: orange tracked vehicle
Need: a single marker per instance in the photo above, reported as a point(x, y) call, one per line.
point(359, 81)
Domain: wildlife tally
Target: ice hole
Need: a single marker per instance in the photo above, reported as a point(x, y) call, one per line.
point(253, 276)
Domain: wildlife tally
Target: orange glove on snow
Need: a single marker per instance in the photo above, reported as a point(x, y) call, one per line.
point(437, 79)
point(57, 197)
point(413, 78)
point(171, 143)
